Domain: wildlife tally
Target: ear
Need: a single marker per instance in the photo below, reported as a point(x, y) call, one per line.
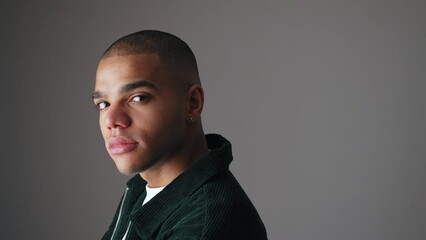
point(195, 102)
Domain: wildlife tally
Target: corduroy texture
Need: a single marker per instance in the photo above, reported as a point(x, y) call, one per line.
point(204, 202)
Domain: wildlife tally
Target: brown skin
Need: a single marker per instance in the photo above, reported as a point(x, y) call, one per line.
point(150, 121)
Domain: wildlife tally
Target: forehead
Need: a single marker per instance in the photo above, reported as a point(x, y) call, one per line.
point(116, 71)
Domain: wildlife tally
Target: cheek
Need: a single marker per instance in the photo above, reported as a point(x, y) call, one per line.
point(174, 107)
point(158, 122)
point(174, 118)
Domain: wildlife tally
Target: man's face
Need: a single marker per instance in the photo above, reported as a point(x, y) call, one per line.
point(141, 111)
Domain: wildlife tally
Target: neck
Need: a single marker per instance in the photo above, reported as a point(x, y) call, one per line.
point(167, 170)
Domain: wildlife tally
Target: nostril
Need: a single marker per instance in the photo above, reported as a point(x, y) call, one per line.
point(117, 118)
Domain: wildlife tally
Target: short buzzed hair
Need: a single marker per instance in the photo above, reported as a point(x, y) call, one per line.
point(173, 52)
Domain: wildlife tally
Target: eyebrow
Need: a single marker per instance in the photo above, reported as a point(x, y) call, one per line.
point(127, 88)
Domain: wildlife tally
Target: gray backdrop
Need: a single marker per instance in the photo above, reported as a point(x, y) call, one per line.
point(324, 102)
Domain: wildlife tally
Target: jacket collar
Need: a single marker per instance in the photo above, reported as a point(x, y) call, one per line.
point(147, 219)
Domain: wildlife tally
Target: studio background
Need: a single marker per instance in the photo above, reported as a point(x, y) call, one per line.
point(324, 102)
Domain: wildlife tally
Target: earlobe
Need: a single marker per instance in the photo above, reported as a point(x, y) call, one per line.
point(196, 102)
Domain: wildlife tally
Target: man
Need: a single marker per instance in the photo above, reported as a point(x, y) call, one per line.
point(150, 100)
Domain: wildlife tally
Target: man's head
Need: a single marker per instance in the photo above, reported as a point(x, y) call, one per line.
point(175, 55)
point(150, 99)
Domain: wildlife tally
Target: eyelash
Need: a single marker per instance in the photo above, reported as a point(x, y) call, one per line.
point(143, 98)
point(98, 105)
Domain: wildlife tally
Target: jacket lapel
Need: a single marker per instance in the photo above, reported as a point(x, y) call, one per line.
point(147, 219)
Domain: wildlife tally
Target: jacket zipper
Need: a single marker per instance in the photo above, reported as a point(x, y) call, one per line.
point(119, 214)
point(128, 227)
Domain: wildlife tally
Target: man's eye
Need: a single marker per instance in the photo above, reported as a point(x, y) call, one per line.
point(102, 105)
point(140, 98)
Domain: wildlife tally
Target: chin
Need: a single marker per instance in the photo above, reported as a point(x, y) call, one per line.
point(125, 167)
point(127, 170)
point(128, 165)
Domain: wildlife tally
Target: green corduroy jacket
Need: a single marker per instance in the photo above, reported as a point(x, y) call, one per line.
point(204, 202)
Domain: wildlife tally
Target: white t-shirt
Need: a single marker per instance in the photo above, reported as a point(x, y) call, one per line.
point(151, 192)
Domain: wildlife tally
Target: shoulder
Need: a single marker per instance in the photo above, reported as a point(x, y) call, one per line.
point(220, 209)
point(229, 212)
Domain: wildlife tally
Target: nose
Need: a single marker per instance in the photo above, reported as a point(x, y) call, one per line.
point(117, 117)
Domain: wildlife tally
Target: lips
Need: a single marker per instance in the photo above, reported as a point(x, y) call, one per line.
point(120, 145)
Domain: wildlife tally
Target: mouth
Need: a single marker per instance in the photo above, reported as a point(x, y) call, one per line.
point(120, 145)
